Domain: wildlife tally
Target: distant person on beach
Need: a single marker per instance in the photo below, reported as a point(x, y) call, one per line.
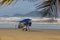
point(25, 23)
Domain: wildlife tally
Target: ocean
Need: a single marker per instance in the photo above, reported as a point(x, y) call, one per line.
point(34, 25)
point(11, 22)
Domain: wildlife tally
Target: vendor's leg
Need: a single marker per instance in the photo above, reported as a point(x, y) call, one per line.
point(27, 28)
point(22, 28)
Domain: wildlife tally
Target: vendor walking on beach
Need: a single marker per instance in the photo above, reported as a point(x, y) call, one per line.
point(25, 23)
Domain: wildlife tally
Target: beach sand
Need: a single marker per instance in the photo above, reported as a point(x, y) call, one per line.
point(33, 34)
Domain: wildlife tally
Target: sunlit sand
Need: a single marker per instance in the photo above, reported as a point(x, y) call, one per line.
point(33, 34)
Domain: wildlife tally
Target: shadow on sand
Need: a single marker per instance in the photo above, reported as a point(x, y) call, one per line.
point(36, 31)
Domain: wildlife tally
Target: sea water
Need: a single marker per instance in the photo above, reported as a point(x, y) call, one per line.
point(34, 25)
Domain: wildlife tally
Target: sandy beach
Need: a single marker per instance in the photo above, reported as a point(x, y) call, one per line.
point(33, 34)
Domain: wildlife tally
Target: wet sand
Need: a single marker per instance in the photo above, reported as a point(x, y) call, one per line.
point(33, 34)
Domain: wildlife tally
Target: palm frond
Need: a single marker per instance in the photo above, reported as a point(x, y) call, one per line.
point(2, 2)
point(8, 2)
point(46, 4)
point(46, 13)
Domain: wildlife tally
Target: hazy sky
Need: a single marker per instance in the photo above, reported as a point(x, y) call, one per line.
point(21, 7)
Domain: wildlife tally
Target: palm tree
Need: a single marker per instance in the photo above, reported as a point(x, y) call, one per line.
point(8, 2)
point(48, 4)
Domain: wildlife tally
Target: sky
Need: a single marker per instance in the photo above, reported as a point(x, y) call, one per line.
point(21, 7)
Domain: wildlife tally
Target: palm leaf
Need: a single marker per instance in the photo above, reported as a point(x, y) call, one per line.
point(47, 4)
point(8, 2)
point(44, 4)
point(2, 2)
point(46, 13)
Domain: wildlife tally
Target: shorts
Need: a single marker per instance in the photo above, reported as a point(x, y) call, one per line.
point(28, 23)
